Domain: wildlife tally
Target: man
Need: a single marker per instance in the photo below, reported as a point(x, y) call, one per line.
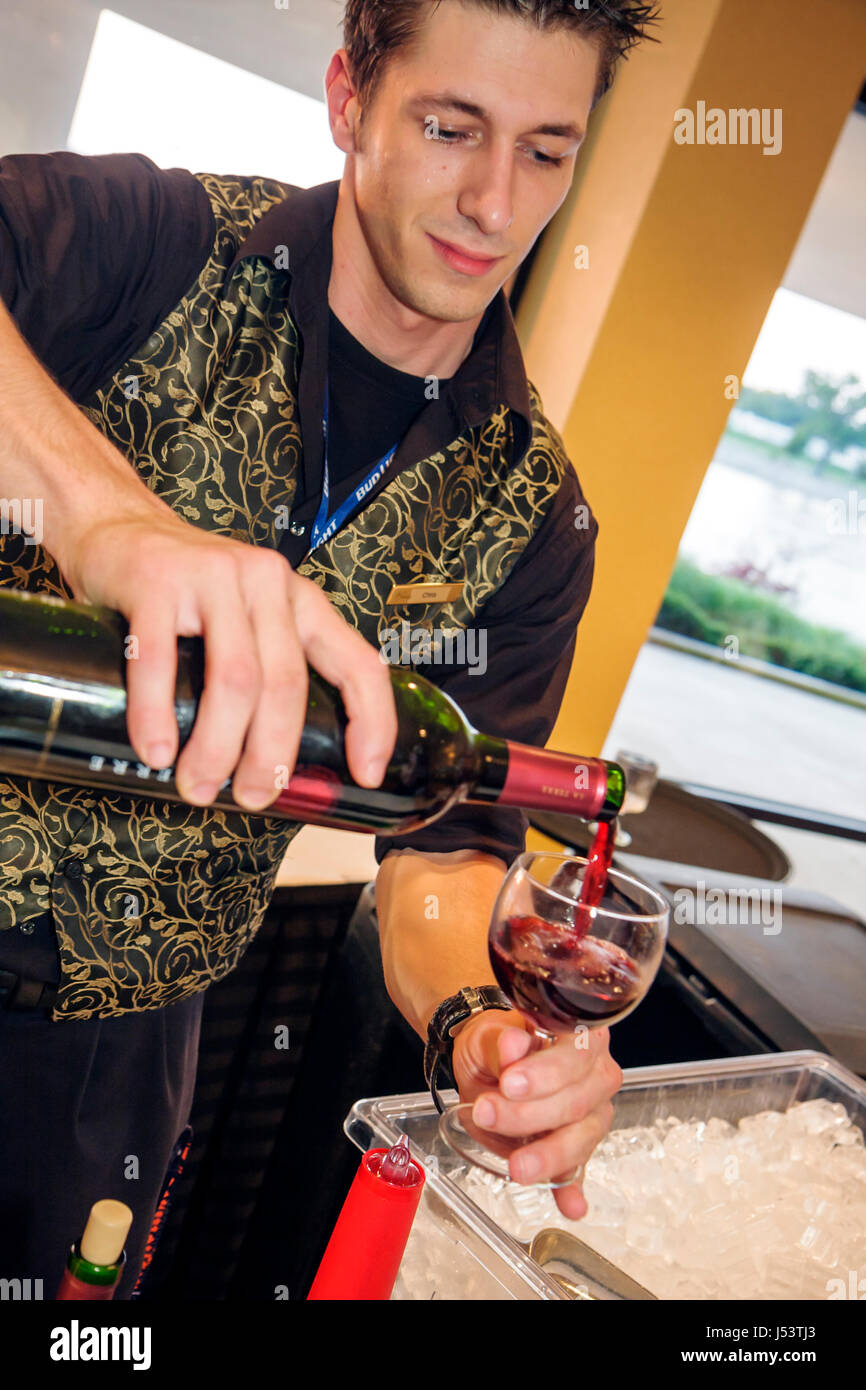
point(188, 325)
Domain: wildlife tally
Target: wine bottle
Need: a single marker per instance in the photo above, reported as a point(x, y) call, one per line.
point(95, 1263)
point(367, 1244)
point(63, 718)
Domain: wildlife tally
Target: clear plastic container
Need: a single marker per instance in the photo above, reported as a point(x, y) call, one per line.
point(455, 1250)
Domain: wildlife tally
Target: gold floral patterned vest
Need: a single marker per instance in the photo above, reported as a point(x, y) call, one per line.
point(153, 901)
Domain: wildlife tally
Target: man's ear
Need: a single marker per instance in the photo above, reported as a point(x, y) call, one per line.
point(342, 102)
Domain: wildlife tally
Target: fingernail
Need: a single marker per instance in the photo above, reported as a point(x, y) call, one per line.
point(205, 791)
point(514, 1083)
point(484, 1113)
point(528, 1165)
point(159, 755)
point(254, 798)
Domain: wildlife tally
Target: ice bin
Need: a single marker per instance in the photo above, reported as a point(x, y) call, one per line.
point(475, 1259)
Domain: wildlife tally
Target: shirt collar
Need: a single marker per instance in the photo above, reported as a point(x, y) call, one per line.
point(299, 229)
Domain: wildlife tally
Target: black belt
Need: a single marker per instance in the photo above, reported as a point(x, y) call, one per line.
point(19, 992)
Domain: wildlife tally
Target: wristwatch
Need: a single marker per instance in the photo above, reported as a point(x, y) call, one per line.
point(454, 1010)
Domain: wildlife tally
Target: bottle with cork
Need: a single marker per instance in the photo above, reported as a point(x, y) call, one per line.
point(95, 1263)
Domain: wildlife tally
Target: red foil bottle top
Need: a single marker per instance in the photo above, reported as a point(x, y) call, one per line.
point(540, 779)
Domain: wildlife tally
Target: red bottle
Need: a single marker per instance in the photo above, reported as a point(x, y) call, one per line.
point(367, 1243)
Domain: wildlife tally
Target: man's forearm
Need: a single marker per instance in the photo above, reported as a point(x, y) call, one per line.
point(51, 453)
point(434, 914)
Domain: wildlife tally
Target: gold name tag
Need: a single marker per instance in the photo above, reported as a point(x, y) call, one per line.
point(424, 593)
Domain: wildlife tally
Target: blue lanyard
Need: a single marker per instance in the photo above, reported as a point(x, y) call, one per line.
point(323, 527)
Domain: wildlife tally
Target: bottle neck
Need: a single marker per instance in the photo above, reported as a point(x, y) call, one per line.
point(515, 774)
point(105, 1276)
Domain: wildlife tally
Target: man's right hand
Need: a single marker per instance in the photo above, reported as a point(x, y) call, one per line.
point(261, 623)
point(119, 545)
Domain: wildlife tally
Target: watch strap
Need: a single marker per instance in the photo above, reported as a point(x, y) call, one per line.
point(456, 1009)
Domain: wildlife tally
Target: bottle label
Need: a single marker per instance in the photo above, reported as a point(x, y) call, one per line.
point(545, 781)
point(312, 790)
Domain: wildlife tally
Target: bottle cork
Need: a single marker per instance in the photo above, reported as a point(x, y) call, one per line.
point(105, 1233)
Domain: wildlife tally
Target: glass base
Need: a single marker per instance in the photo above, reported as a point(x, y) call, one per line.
point(490, 1151)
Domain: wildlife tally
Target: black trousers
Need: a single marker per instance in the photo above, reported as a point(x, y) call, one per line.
point(88, 1109)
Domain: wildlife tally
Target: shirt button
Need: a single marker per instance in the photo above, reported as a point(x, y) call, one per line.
point(28, 928)
point(72, 868)
point(297, 529)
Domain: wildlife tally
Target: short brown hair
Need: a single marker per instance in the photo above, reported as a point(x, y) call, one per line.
point(374, 30)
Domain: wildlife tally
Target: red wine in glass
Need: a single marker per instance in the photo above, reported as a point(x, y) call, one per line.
point(557, 972)
point(561, 978)
point(572, 955)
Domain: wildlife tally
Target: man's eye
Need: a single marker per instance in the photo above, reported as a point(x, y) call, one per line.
point(454, 137)
point(554, 161)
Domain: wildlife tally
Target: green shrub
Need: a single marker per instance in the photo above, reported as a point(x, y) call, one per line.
point(710, 608)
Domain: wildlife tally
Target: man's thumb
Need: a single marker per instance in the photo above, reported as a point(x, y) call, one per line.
point(493, 1041)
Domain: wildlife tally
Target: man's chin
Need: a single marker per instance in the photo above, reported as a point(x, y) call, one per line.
point(449, 305)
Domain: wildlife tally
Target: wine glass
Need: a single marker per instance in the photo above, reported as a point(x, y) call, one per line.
point(566, 966)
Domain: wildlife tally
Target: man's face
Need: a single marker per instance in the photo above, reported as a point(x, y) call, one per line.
point(490, 178)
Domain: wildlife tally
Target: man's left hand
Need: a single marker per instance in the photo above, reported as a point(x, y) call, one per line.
point(562, 1092)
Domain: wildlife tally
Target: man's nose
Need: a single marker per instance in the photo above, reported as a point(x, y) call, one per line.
point(488, 191)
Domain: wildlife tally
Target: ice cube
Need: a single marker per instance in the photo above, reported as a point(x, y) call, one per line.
point(609, 1241)
point(683, 1145)
point(640, 1176)
point(621, 1142)
point(607, 1205)
point(712, 1160)
point(669, 1122)
point(788, 1276)
point(819, 1205)
point(763, 1125)
point(850, 1136)
point(530, 1203)
point(847, 1164)
point(644, 1232)
point(764, 1238)
point(821, 1244)
point(817, 1116)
